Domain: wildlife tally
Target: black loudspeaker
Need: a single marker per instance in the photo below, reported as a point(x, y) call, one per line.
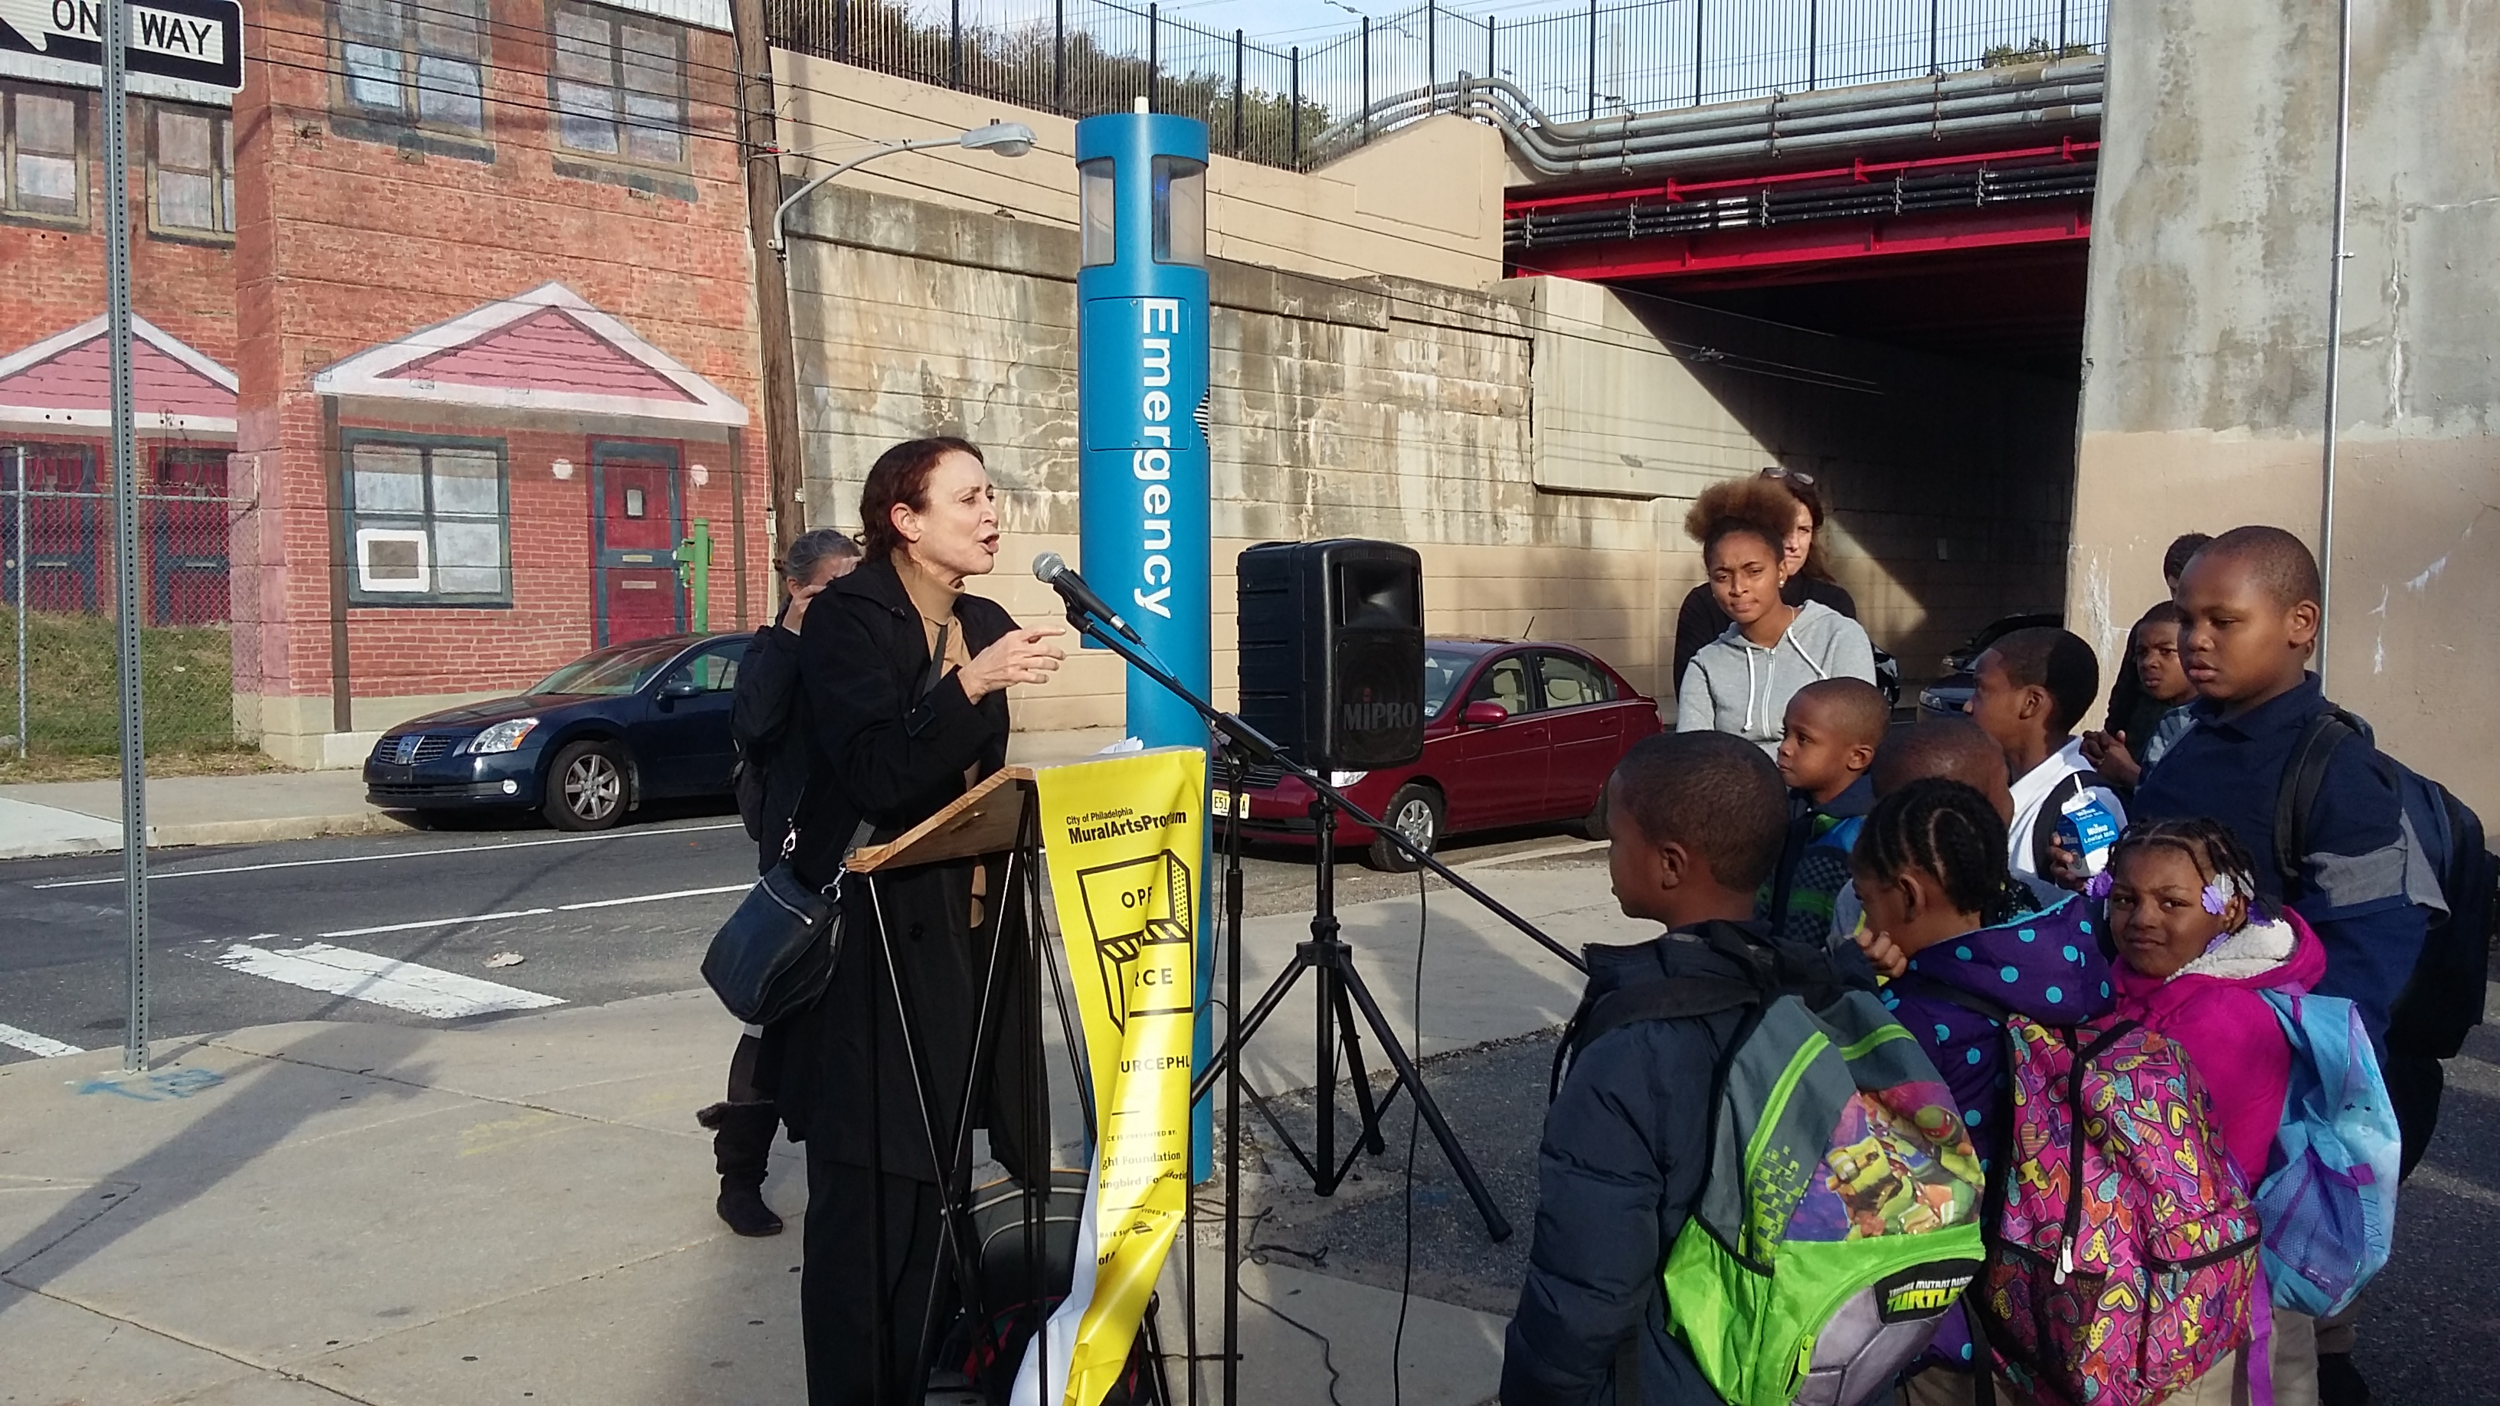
point(1332, 651)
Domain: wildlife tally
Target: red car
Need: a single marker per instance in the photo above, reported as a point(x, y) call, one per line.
point(1514, 734)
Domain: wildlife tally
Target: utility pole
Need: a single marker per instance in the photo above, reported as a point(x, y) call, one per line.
point(759, 144)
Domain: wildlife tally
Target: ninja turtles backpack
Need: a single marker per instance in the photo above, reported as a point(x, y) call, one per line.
point(1840, 1218)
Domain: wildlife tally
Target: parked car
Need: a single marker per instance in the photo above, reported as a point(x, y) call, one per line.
point(1515, 733)
point(583, 746)
point(1948, 696)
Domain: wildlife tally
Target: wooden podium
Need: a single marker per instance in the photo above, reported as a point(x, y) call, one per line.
point(988, 819)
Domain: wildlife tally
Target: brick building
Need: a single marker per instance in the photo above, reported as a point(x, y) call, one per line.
point(497, 337)
point(472, 278)
point(54, 407)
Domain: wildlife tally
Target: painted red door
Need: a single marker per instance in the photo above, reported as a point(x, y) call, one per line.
point(187, 539)
point(633, 534)
point(61, 528)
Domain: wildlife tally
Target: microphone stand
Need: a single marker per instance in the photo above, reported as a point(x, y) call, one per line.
point(1324, 954)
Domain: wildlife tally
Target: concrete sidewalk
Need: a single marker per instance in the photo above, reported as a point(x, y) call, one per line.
point(84, 817)
point(522, 1209)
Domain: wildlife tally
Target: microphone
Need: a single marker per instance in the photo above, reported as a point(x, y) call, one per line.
point(1053, 571)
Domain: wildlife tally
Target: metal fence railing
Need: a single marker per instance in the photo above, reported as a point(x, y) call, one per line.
point(58, 684)
point(1267, 103)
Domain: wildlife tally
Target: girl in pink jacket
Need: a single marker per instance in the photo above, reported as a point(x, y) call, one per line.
point(2194, 952)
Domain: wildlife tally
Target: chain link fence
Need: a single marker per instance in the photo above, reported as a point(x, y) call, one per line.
point(59, 713)
point(1270, 104)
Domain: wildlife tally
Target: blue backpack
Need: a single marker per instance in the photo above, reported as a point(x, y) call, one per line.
point(2444, 998)
point(2328, 1203)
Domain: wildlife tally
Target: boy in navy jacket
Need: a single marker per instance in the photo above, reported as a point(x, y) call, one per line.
point(2250, 600)
point(1696, 821)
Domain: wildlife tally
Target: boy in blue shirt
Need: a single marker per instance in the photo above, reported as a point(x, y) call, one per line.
point(2250, 606)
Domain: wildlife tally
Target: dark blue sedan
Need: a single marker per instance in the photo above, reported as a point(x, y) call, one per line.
point(586, 744)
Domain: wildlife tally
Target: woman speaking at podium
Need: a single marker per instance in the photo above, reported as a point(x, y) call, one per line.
point(906, 679)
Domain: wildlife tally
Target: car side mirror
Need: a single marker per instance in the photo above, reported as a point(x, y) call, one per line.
point(1484, 713)
point(681, 686)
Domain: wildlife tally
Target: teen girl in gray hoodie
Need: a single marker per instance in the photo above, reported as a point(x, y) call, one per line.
point(1741, 682)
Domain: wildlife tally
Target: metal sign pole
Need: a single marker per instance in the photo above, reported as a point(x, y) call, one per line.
point(125, 520)
point(22, 594)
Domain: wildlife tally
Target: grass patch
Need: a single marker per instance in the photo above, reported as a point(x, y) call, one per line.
point(73, 702)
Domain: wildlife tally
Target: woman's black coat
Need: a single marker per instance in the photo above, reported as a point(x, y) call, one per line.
point(892, 748)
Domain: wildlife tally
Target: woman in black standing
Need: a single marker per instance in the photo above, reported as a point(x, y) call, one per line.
point(906, 682)
point(1809, 577)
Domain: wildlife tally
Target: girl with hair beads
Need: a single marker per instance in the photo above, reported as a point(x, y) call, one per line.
point(2195, 952)
point(1943, 918)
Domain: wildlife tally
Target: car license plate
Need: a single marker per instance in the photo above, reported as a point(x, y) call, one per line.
point(1224, 803)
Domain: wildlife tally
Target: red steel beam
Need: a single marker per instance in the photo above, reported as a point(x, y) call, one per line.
point(1808, 242)
point(1860, 171)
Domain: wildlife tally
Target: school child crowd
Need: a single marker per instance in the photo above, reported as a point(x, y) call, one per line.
point(2046, 1067)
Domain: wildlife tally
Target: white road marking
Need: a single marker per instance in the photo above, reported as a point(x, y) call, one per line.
point(35, 1044)
point(383, 981)
point(162, 875)
point(438, 922)
point(651, 897)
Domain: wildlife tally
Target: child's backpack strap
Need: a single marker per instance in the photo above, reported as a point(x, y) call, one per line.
point(1955, 996)
point(1676, 998)
point(2297, 795)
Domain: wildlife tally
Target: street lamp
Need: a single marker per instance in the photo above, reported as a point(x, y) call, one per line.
point(1003, 138)
point(786, 475)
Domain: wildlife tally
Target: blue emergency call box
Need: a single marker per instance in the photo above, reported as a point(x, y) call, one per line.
point(1142, 487)
point(1141, 416)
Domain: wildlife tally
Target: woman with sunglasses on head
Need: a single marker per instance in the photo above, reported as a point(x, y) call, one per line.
point(1809, 578)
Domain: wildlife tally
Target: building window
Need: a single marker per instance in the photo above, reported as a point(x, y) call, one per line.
point(428, 521)
point(620, 85)
point(191, 172)
point(39, 147)
point(415, 61)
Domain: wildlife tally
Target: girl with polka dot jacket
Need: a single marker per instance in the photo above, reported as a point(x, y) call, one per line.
point(1942, 911)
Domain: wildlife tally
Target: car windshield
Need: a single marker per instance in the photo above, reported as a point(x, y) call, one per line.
point(1443, 668)
point(610, 672)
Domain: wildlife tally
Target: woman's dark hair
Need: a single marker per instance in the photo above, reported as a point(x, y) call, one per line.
point(2208, 844)
point(1805, 492)
point(1757, 505)
point(901, 476)
point(1950, 831)
point(800, 561)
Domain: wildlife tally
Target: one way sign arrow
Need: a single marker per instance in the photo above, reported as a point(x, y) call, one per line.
point(198, 40)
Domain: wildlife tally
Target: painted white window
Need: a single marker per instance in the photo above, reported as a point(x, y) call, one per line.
point(44, 175)
point(191, 170)
point(418, 61)
point(431, 521)
point(620, 85)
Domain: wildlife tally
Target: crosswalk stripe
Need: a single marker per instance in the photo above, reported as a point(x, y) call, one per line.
point(651, 897)
point(383, 981)
point(35, 1044)
point(422, 923)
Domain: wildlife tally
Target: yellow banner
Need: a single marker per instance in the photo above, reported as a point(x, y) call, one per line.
point(1124, 837)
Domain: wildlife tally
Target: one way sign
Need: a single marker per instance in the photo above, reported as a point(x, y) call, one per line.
point(200, 40)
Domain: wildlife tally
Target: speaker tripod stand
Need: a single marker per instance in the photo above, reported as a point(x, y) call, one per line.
point(1340, 990)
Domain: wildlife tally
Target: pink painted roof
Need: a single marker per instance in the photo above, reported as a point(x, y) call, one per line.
point(548, 351)
point(80, 378)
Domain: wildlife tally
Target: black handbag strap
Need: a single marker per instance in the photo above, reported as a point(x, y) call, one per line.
point(934, 675)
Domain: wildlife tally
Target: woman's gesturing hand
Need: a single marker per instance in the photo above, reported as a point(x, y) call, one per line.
point(1018, 656)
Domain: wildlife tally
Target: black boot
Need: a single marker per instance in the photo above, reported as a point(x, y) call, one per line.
point(2339, 1382)
point(742, 1142)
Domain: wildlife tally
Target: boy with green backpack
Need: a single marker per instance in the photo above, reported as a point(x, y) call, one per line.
point(1753, 1186)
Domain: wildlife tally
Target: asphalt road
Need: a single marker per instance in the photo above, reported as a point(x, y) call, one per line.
point(252, 935)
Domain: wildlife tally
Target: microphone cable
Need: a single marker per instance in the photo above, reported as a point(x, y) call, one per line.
point(1414, 1113)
